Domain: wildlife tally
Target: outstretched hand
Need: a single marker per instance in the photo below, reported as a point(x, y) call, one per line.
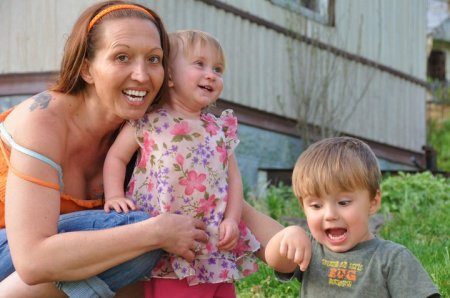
point(296, 246)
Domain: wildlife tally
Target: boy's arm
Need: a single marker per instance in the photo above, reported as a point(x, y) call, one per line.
point(114, 169)
point(229, 231)
point(287, 249)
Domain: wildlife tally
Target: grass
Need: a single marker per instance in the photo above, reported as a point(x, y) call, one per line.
point(419, 206)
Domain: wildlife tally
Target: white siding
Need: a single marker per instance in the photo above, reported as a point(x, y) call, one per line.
point(259, 62)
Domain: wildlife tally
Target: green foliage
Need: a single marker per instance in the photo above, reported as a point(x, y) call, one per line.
point(413, 191)
point(264, 284)
point(279, 203)
point(439, 139)
point(419, 207)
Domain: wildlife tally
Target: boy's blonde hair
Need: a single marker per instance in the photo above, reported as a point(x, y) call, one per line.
point(336, 164)
point(188, 40)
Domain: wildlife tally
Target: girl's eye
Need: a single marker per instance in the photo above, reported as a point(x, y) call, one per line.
point(218, 70)
point(199, 63)
point(155, 59)
point(122, 58)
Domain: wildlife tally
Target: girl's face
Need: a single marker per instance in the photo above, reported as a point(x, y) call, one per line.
point(195, 79)
point(126, 72)
point(340, 220)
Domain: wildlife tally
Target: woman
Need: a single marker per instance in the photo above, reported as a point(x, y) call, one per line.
point(114, 66)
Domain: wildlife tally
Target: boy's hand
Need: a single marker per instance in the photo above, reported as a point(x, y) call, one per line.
point(295, 246)
point(228, 234)
point(119, 204)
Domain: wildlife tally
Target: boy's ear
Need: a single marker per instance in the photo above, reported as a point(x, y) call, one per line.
point(85, 72)
point(375, 202)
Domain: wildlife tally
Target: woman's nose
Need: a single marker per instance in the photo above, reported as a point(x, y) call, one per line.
point(140, 72)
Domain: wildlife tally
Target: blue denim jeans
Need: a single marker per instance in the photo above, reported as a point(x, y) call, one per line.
point(106, 283)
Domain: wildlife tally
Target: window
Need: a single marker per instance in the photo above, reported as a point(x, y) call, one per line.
point(318, 10)
point(436, 65)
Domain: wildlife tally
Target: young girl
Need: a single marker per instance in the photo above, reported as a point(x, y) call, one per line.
point(186, 165)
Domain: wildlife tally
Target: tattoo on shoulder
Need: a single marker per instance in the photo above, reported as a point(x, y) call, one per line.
point(41, 101)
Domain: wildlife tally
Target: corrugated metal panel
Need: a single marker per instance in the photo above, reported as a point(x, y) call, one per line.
point(259, 62)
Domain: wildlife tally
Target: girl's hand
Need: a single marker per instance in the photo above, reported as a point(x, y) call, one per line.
point(119, 204)
point(228, 234)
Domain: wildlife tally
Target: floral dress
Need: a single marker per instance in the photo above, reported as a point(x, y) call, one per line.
point(182, 168)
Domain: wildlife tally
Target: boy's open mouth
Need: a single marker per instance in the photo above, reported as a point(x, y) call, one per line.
point(336, 234)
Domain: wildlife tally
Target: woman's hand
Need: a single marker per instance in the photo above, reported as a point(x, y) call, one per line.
point(180, 234)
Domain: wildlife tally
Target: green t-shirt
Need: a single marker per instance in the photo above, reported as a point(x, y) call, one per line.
point(375, 268)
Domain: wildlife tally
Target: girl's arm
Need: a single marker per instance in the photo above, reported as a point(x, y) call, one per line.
point(114, 169)
point(229, 231)
point(40, 254)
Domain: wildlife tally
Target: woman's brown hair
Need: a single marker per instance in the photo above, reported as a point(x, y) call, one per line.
point(82, 42)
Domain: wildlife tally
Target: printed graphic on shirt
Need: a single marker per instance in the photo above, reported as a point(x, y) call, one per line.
point(342, 273)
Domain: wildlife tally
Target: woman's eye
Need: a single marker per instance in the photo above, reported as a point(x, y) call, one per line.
point(154, 59)
point(122, 58)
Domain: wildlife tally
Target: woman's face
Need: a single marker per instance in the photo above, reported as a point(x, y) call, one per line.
point(126, 72)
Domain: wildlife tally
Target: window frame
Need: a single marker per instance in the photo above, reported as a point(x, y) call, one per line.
point(324, 14)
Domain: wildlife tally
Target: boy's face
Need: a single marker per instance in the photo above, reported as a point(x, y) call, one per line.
point(196, 78)
point(341, 220)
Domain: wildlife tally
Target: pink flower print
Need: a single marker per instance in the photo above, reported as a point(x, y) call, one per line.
point(241, 247)
point(207, 204)
point(212, 128)
point(192, 182)
point(146, 150)
point(167, 207)
point(230, 122)
point(224, 273)
point(222, 149)
point(180, 159)
point(131, 187)
point(181, 129)
point(150, 185)
point(210, 247)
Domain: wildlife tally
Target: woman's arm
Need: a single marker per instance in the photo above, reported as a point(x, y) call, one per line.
point(40, 254)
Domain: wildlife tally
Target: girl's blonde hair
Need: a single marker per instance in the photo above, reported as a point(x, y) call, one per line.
point(187, 41)
point(336, 164)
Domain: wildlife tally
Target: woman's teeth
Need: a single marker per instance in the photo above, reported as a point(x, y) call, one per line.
point(134, 95)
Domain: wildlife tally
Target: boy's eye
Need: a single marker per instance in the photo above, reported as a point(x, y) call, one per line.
point(314, 206)
point(122, 58)
point(344, 203)
point(154, 59)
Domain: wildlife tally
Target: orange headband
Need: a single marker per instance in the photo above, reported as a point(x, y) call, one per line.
point(109, 9)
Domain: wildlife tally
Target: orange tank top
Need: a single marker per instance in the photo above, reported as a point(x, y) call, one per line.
point(68, 203)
